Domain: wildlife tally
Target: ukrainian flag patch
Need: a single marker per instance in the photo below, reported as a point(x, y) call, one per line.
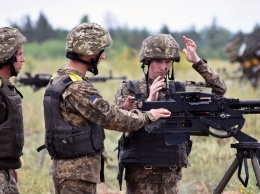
point(100, 104)
point(93, 100)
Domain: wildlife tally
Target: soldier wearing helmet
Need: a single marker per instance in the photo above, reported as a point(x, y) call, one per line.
point(75, 114)
point(11, 60)
point(150, 165)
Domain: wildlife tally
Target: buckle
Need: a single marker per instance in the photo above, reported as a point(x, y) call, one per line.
point(148, 167)
point(174, 167)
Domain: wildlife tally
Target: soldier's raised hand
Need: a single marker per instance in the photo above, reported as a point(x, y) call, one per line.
point(190, 50)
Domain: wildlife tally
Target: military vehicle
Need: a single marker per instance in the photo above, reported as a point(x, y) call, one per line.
point(246, 51)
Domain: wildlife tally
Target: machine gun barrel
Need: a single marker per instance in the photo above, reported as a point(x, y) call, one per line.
point(40, 80)
point(105, 78)
point(246, 104)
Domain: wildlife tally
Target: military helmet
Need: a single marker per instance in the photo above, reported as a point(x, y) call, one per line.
point(10, 41)
point(160, 46)
point(87, 39)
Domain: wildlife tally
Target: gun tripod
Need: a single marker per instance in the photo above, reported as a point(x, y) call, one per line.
point(245, 150)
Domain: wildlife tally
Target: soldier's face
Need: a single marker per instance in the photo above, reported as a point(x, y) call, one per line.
point(159, 67)
point(19, 59)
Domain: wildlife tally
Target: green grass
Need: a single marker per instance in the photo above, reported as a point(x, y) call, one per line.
point(209, 159)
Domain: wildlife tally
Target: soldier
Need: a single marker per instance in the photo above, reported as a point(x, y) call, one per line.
point(152, 166)
point(11, 118)
point(75, 114)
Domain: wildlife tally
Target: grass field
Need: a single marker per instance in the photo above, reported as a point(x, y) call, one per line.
point(209, 159)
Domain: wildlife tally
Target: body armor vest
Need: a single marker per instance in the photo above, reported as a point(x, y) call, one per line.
point(142, 149)
point(11, 127)
point(64, 141)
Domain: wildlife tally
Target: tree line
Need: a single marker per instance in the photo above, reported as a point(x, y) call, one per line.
point(211, 40)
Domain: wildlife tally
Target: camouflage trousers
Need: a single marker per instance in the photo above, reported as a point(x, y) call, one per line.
point(153, 181)
point(152, 188)
point(8, 182)
point(65, 186)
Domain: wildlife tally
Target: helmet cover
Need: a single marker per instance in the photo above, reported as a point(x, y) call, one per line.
point(10, 41)
point(160, 46)
point(88, 39)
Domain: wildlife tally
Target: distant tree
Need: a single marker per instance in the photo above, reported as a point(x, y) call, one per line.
point(28, 29)
point(214, 40)
point(211, 40)
point(130, 37)
point(218, 37)
point(214, 25)
point(136, 37)
point(43, 29)
point(84, 19)
point(255, 34)
point(192, 34)
point(15, 25)
point(165, 30)
point(121, 34)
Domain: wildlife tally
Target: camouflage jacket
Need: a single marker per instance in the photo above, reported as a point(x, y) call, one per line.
point(81, 104)
point(212, 79)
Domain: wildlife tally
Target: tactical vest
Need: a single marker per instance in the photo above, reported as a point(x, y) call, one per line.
point(142, 149)
point(11, 127)
point(64, 141)
point(150, 150)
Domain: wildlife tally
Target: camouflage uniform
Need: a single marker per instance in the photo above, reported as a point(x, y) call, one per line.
point(80, 175)
point(11, 122)
point(77, 110)
point(160, 180)
point(8, 182)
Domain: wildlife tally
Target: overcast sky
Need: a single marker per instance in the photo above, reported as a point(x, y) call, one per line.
point(180, 15)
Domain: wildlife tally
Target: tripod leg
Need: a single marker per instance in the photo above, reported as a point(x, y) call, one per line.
point(256, 167)
point(223, 183)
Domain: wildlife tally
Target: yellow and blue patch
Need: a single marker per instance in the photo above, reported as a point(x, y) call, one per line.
point(93, 100)
point(100, 104)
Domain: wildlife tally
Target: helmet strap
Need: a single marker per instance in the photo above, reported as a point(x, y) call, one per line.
point(146, 76)
point(13, 71)
point(10, 62)
point(172, 73)
point(92, 63)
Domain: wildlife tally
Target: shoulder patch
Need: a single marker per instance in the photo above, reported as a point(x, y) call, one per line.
point(74, 77)
point(100, 104)
point(93, 100)
point(53, 77)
